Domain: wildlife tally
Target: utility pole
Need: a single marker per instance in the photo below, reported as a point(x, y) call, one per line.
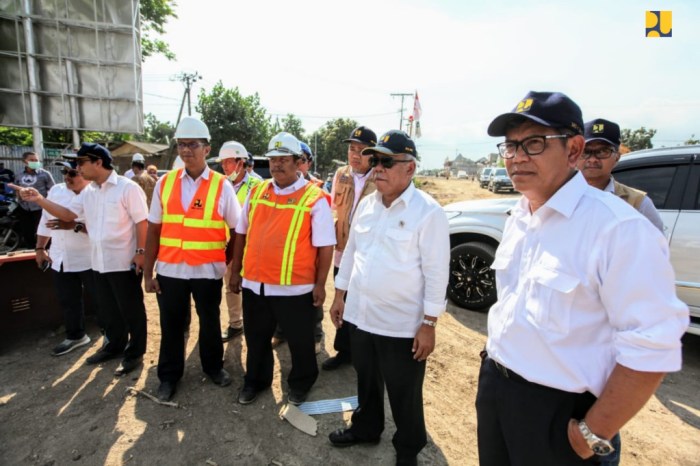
point(188, 79)
point(403, 96)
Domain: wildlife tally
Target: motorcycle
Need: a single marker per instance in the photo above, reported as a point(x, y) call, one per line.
point(9, 234)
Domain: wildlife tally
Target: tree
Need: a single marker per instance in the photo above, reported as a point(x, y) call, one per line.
point(327, 143)
point(638, 139)
point(691, 141)
point(232, 116)
point(157, 131)
point(15, 136)
point(154, 15)
point(293, 125)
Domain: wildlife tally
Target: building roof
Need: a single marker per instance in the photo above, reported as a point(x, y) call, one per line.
point(131, 147)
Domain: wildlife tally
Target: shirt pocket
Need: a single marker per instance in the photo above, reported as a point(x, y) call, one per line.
point(398, 242)
point(550, 298)
point(341, 191)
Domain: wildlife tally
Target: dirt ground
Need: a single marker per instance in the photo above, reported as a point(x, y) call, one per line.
point(58, 411)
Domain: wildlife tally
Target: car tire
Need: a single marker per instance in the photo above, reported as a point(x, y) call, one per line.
point(9, 240)
point(472, 282)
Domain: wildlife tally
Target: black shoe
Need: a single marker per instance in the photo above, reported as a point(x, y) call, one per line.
point(297, 397)
point(128, 365)
point(166, 390)
point(247, 395)
point(221, 378)
point(407, 461)
point(231, 333)
point(335, 362)
point(101, 356)
point(345, 438)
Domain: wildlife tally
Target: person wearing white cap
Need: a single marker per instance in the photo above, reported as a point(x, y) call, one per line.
point(138, 163)
point(232, 157)
point(283, 249)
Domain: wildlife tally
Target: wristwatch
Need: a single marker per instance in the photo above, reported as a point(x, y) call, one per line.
point(78, 227)
point(140, 250)
point(430, 323)
point(600, 446)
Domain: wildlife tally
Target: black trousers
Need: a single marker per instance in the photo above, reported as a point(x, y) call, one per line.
point(296, 316)
point(120, 303)
point(174, 304)
point(525, 424)
point(69, 291)
point(28, 223)
point(380, 361)
point(341, 342)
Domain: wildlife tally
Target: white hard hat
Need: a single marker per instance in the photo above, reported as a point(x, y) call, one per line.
point(232, 150)
point(192, 128)
point(138, 158)
point(283, 144)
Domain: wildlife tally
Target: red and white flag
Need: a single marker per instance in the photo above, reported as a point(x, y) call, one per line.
point(417, 111)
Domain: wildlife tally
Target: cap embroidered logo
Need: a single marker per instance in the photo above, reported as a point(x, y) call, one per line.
point(598, 128)
point(524, 105)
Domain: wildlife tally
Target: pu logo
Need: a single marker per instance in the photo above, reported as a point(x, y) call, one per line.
point(658, 24)
point(524, 106)
point(358, 133)
point(291, 201)
point(278, 144)
point(385, 138)
point(197, 204)
point(598, 128)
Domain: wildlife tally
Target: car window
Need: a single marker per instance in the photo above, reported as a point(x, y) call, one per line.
point(655, 181)
point(500, 172)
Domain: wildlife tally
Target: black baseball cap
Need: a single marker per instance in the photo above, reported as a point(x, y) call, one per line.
point(363, 135)
point(602, 130)
point(95, 151)
point(552, 109)
point(393, 142)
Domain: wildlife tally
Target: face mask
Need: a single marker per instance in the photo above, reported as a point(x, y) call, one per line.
point(34, 165)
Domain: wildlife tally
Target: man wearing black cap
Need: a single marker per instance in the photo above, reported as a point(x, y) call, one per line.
point(576, 346)
point(599, 158)
point(395, 268)
point(68, 257)
point(115, 213)
point(351, 184)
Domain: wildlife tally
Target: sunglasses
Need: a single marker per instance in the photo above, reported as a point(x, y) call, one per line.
point(385, 160)
point(72, 173)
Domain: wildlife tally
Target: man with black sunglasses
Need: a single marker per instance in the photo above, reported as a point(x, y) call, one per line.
point(587, 321)
point(69, 258)
point(600, 156)
point(395, 270)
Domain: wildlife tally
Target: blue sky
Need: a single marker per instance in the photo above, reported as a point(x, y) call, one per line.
point(469, 62)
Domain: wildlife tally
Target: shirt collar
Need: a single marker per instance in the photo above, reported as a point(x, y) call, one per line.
point(204, 175)
point(610, 188)
point(405, 196)
point(563, 201)
point(298, 184)
point(360, 176)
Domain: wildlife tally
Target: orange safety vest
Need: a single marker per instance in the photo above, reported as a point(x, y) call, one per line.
point(278, 243)
point(196, 236)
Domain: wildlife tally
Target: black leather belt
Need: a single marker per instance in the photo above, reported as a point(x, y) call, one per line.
point(507, 373)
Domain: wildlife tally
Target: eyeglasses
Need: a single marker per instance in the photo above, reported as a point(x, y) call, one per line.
point(72, 173)
point(385, 160)
point(190, 145)
point(305, 159)
point(533, 145)
point(600, 154)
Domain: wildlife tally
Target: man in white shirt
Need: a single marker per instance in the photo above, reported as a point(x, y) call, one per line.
point(351, 184)
point(283, 250)
point(395, 270)
point(192, 214)
point(69, 258)
point(585, 326)
point(115, 211)
point(599, 158)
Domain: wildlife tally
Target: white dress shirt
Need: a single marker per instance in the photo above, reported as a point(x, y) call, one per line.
point(359, 181)
point(584, 283)
point(396, 264)
point(322, 234)
point(646, 208)
point(129, 173)
point(228, 208)
point(67, 247)
point(111, 212)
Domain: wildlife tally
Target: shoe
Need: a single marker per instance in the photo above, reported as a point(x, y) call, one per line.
point(345, 438)
point(335, 362)
point(407, 461)
point(221, 378)
point(66, 346)
point(166, 390)
point(317, 348)
point(297, 397)
point(247, 395)
point(101, 356)
point(231, 333)
point(127, 365)
point(276, 341)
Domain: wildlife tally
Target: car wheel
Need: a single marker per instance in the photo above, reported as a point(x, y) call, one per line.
point(472, 283)
point(9, 240)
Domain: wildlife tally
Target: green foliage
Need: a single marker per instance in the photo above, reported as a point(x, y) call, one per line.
point(24, 137)
point(157, 131)
point(15, 136)
point(154, 15)
point(293, 125)
point(638, 139)
point(233, 116)
point(691, 141)
point(328, 144)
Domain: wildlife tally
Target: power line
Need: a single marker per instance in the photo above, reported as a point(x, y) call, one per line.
point(403, 96)
point(188, 79)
